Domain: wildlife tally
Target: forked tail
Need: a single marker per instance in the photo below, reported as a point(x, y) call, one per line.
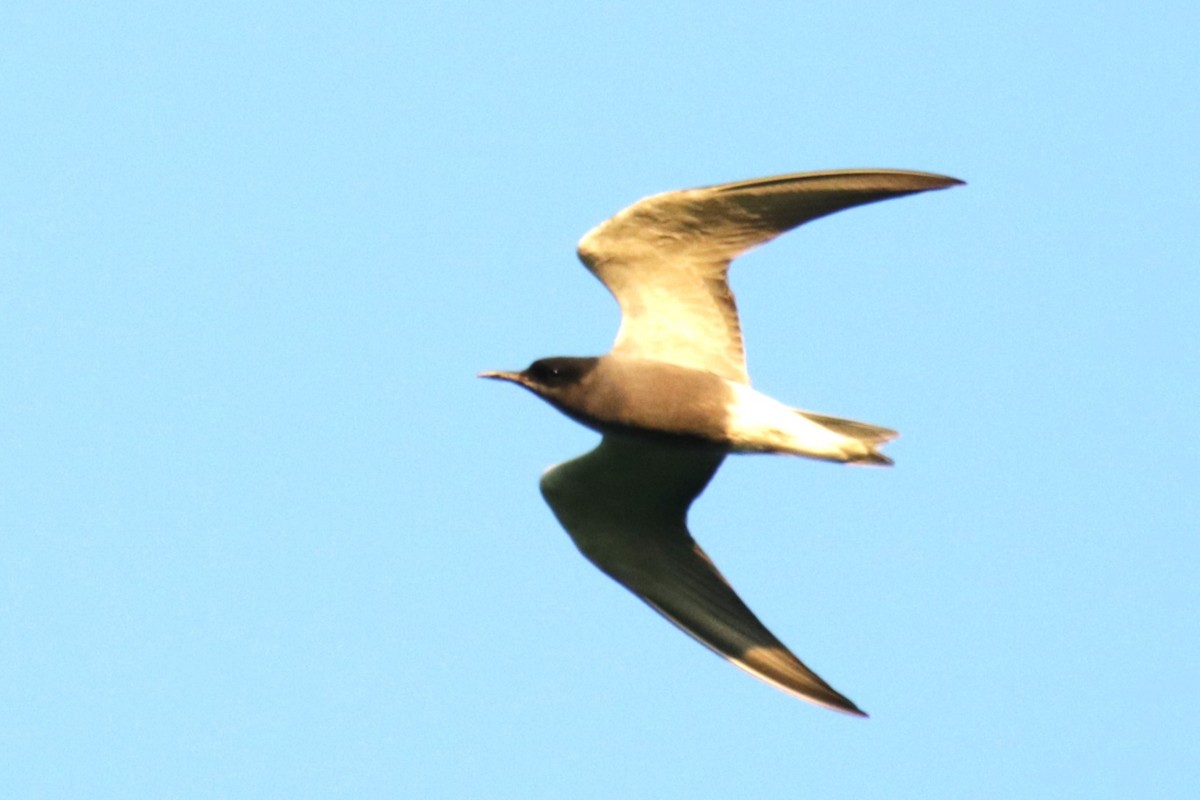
point(870, 436)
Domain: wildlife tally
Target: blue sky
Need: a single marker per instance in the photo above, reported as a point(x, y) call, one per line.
point(264, 534)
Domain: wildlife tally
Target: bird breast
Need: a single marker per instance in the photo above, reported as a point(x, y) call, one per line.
point(655, 397)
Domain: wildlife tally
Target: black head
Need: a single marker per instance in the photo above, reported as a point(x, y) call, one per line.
point(557, 379)
point(557, 372)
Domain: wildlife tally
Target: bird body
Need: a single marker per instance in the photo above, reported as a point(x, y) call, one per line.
point(611, 394)
point(673, 398)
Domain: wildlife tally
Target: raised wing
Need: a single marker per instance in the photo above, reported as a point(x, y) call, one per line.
point(665, 258)
point(625, 505)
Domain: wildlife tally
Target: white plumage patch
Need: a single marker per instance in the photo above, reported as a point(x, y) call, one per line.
point(759, 424)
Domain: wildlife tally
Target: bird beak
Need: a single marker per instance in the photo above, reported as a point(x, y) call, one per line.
point(515, 377)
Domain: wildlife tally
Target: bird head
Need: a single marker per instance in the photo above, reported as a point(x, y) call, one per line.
point(557, 380)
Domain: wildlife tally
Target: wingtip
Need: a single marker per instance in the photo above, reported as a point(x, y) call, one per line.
point(825, 697)
point(931, 180)
point(907, 181)
point(852, 710)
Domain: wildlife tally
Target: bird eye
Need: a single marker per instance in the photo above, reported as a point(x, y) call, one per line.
point(547, 373)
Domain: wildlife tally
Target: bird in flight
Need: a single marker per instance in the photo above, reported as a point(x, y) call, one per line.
point(672, 399)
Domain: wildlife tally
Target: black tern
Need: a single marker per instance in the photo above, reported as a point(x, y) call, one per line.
point(672, 399)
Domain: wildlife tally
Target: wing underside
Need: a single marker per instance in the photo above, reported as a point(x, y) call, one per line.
point(625, 505)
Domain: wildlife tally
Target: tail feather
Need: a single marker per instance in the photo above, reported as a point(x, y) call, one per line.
point(871, 436)
point(864, 431)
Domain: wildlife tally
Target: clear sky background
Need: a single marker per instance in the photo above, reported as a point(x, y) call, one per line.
point(264, 534)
